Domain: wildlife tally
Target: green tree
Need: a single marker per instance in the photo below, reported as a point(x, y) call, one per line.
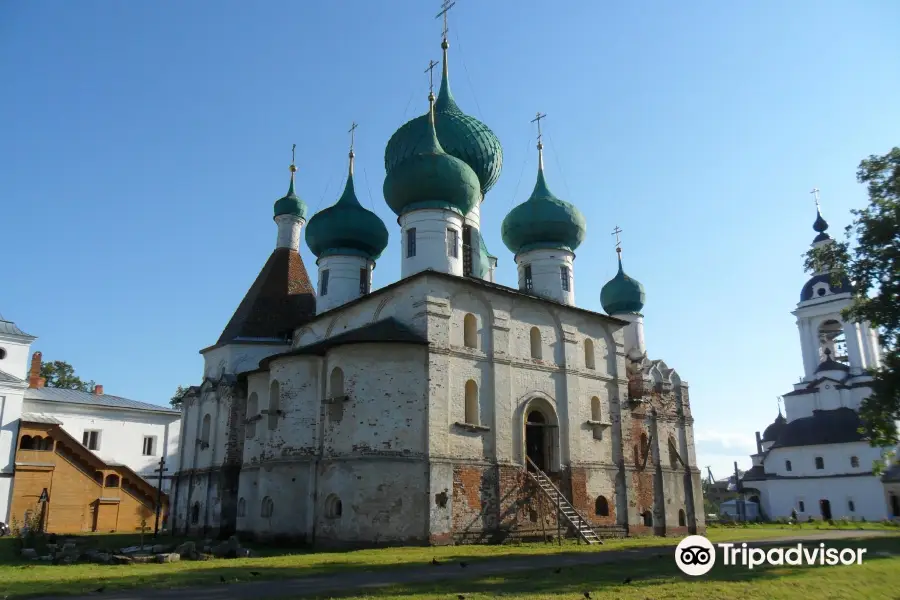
point(178, 398)
point(60, 374)
point(873, 266)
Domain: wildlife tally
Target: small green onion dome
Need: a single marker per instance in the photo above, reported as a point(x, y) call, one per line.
point(346, 228)
point(543, 221)
point(622, 294)
point(291, 204)
point(430, 178)
point(460, 135)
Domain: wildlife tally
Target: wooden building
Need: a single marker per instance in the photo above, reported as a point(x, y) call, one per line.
point(83, 492)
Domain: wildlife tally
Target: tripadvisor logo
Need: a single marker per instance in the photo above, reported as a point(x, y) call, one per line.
point(695, 555)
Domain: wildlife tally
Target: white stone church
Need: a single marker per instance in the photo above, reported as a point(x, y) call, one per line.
point(813, 460)
point(443, 407)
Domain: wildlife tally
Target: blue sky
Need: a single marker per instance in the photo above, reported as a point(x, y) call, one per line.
point(143, 144)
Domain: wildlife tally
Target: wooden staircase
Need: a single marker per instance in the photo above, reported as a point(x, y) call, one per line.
point(565, 510)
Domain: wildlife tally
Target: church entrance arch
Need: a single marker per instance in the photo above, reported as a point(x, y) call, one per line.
point(825, 508)
point(541, 435)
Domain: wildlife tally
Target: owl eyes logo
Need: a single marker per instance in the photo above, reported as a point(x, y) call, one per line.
point(695, 555)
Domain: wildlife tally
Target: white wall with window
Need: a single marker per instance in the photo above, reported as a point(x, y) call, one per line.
point(548, 273)
point(431, 239)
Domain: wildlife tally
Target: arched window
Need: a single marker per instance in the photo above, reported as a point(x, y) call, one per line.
point(589, 353)
point(832, 342)
point(682, 518)
point(820, 462)
point(252, 412)
point(242, 508)
point(26, 443)
point(267, 509)
point(854, 461)
point(673, 453)
point(98, 477)
point(48, 444)
point(112, 481)
point(470, 331)
point(204, 431)
point(787, 465)
point(195, 513)
point(595, 409)
point(648, 518)
point(471, 402)
point(333, 507)
point(601, 507)
point(535, 343)
point(36, 442)
point(645, 447)
point(336, 393)
point(274, 404)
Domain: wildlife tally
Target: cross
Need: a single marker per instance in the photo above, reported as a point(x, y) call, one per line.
point(445, 6)
point(293, 149)
point(352, 131)
point(815, 193)
point(537, 120)
point(779, 402)
point(616, 233)
point(162, 469)
point(430, 70)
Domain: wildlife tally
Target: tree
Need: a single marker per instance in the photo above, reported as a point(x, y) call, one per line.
point(873, 266)
point(178, 398)
point(60, 374)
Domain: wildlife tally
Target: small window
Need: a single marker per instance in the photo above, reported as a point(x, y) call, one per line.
point(564, 277)
point(242, 508)
point(787, 465)
point(333, 507)
point(274, 404)
point(648, 518)
point(410, 242)
point(2, 353)
point(589, 353)
point(801, 506)
point(854, 461)
point(601, 507)
point(851, 506)
point(470, 331)
point(529, 282)
point(149, 445)
point(91, 440)
point(595, 409)
point(267, 509)
point(820, 462)
point(27, 442)
point(535, 335)
point(471, 402)
point(204, 431)
point(452, 243)
point(195, 513)
point(323, 285)
point(682, 518)
point(363, 282)
point(252, 412)
point(112, 481)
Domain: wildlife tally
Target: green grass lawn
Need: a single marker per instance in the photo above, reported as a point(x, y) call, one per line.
point(18, 578)
point(876, 579)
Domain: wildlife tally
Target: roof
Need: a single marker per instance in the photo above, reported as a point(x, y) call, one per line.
point(774, 430)
point(10, 328)
point(39, 418)
point(843, 287)
point(386, 331)
point(64, 396)
point(756, 473)
point(831, 365)
point(280, 300)
point(7, 378)
point(838, 426)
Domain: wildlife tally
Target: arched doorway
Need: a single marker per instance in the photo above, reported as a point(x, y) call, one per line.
point(541, 435)
point(825, 508)
point(895, 505)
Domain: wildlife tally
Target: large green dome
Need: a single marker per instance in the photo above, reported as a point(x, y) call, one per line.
point(622, 294)
point(431, 178)
point(291, 204)
point(346, 228)
point(543, 221)
point(459, 134)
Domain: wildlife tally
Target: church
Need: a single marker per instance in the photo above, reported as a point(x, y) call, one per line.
point(442, 408)
point(813, 459)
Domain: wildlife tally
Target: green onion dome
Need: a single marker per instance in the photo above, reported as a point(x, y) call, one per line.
point(460, 135)
point(622, 294)
point(346, 228)
point(430, 178)
point(291, 204)
point(543, 221)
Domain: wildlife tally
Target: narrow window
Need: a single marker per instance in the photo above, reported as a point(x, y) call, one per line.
point(820, 462)
point(204, 431)
point(149, 445)
point(535, 343)
point(787, 465)
point(242, 508)
point(112, 481)
point(564, 277)
point(470, 331)
point(529, 282)
point(471, 402)
point(252, 413)
point(682, 518)
point(195, 513)
point(410, 242)
point(851, 506)
point(363, 282)
point(467, 250)
point(601, 507)
point(268, 508)
point(801, 506)
point(589, 354)
point(274, 404)
point(336, 406)
point(452, 243)
point(323, 285)
point(854, 461)
point(673, 453)
point(91, 440)
point(595, 409)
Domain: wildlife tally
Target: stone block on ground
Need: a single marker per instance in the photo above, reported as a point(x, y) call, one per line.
point(121, 559)
point(142, 559)
point(168, 557)
point(186, 549)
point(29, 553)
